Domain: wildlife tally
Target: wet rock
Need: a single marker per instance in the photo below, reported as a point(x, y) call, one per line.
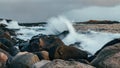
point(63, 34)
point(49, 41)
point(56, 48)
point(8, 46)
point(43, 42)
point(12, 32)
point(2, 25)
point(34, 44)
point(76, 44)
point(65, 64)
point(4, 34)
point(22, 45)
point(109, 57)
point(23, 60)
point(68, 52)
point(7, 35)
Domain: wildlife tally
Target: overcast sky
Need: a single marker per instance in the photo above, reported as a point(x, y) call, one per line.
point(41, 10)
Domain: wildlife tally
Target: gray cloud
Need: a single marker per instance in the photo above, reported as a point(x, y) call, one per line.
point(94, 13)
point(41, 10)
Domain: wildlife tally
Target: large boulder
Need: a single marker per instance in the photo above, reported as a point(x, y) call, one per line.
point(43, 42)
point(68, 52)
point(108, 57)
point(56, 48)
point(65, 64)
point(23, 60)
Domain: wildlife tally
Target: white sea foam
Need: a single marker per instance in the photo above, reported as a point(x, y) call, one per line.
point(13, 25)
point(90, 42)
point(3, 22)
point(56, 25)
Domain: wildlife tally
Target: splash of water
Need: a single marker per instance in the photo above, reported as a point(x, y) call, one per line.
point(56, 25)
point(13, 25)
point(91, 42)
point(4, 22)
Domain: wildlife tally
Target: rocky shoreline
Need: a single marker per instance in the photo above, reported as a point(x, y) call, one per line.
point(110, 28)
point(48, 51)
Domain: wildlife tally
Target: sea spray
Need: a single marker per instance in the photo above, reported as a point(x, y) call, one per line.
point(13, 25)
point(3, 22)
point(56, 25)
point(91, 42)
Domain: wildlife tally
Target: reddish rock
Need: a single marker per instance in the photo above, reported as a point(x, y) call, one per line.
point(40, 64)
point(65, 64)
point(3, 59)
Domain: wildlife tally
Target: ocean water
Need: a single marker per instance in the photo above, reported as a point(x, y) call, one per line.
point(91, 41)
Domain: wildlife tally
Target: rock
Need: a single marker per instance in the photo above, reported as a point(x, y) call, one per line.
point(35, 44)
point(3, 59)
point(65, 64)
point(23, 60)
point(5, 52)
point(109, 57)
point(99, 22)
point(2, 25)
point(76, 44)
point(6, 35)
point(43, 55)
point(12, 32)
point(40, 64)
point(22, 45)
point(43, 42)
point(8, 46)
point(63, 34)
point(56, 48)
point(69, 52)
